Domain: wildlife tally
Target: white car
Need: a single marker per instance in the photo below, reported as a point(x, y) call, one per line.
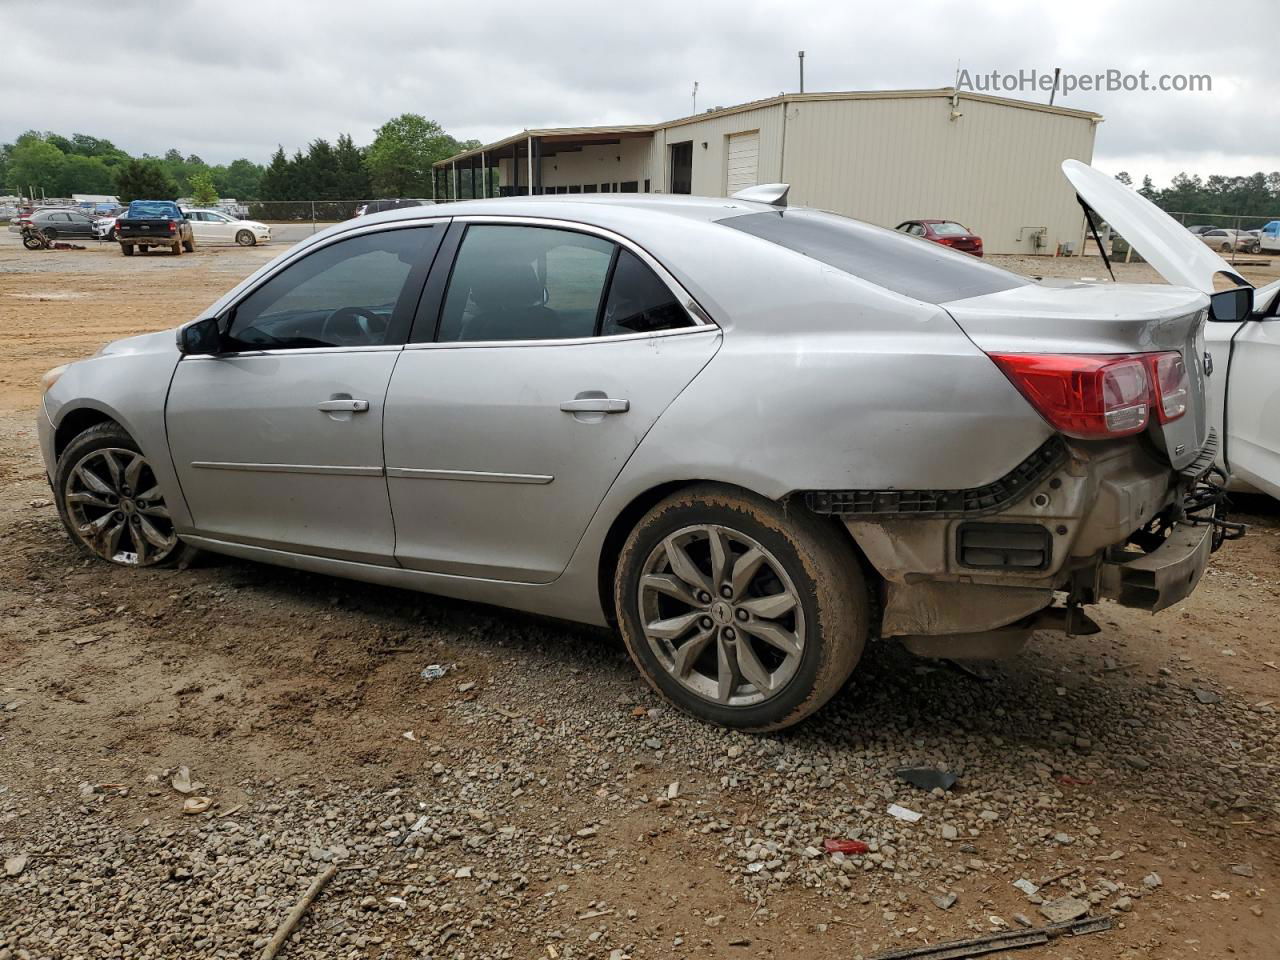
point(1241, 358)
point(214, 226)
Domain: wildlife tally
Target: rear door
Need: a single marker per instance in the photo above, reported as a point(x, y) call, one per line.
point(544, 357)
point(277, 440)
point(1253, 405)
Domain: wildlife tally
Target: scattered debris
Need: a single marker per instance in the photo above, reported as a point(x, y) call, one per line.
point(291, 921)
point(1064, 909)
point(945, 902)
point(408, 735)
point(1026, 886)
point(40, 502)
point(466, 687)
point(13, 866)
point(1242, 869)
point(673, 790)
point(902, 813)
point(845, 846)
point(194, 805)
point(433, 672)
point(182, 782)
point(1007, 940)
point(1206, 696)
point(927, 778)
point(1023, 919)
point(1152, 880)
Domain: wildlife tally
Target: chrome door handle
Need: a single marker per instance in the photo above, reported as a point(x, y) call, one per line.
point(596, 405)
point(343, 406)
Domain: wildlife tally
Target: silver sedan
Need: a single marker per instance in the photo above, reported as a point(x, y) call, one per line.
point(753, 437)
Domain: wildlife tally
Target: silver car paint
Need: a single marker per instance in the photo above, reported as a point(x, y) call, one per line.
point(823, 381)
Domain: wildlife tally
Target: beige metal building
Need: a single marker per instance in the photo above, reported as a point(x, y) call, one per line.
point(883, 156)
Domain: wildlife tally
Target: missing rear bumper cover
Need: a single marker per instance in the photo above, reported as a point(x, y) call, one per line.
point(974, 502)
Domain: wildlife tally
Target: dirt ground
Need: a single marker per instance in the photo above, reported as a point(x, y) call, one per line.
point(537, 801)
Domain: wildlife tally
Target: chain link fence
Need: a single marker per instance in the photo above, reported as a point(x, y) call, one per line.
point(1235, 237)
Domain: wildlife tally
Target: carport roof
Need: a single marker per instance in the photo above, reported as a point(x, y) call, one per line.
point(581, 136)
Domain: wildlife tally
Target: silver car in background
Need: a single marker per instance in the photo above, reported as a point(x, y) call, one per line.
point(751, 436)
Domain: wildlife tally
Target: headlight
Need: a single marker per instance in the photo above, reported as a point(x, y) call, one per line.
point(52, 377)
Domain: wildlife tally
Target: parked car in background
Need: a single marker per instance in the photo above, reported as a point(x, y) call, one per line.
point(946, 232)
point(525, 404)
point(1269, 237)
point(1225, 240)
point(1200, 228)
point(395, 203)
point(154, 223)
point(105, 228)
point(61, 223)
point(215, 226)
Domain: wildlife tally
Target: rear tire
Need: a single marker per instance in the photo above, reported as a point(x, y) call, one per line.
point(189, 245)
point(246, 239)
point(788, 605)
point(1225, 248)
point(126, 249)
point(51, 233)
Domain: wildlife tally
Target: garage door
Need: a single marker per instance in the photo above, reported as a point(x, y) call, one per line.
point(743, 162)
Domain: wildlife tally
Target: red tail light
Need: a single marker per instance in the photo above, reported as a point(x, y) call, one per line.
point(1099, 395)
point(173, 227)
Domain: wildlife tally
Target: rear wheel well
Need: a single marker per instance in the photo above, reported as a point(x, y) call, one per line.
point(75, 423)
point(631, 514)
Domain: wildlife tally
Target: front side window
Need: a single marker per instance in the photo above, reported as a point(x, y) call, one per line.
point(342, 295)
point(525, 283)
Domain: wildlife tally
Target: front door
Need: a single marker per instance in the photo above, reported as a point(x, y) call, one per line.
point(277, 439)
point(556, 351)
point(1253, 405)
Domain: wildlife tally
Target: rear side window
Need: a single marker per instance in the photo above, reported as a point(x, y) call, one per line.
point(638, 301)
point(923, 271)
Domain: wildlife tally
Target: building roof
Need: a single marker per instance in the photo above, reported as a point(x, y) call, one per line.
point(647, 129)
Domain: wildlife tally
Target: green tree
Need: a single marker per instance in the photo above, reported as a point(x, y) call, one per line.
point(203, 192)
point(82, 174)
point(402, 152)
point(239, 179)
point(352, 174)
point(37, 164)
point(144, 180)
point(1124, 178)
point(275, 179)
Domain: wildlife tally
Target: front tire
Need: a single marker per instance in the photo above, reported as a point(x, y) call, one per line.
point(246, 238)
point(739, 612)
point(110, 501)
point(51, 233)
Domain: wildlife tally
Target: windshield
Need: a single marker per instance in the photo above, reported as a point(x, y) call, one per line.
point(895, 261)
point(949, 229)
point(153, 210)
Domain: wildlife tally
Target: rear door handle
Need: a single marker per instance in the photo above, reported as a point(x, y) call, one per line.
point(595, 405)
point(343, 406)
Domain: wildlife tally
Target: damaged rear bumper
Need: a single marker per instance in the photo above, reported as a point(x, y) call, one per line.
point(1163, 577)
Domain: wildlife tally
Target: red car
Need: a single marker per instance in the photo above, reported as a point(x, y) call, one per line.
point(946, 232)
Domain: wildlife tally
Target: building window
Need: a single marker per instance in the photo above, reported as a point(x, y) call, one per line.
point(630, 186)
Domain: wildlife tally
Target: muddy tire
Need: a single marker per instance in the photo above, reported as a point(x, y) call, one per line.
point(126, 249)
point(176, 248)
point(110, 502)
point(245, 238)
point(738, 611)
point(189, 245)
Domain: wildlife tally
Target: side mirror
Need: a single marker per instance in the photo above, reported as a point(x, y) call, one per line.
point(202, 336)
point(1231, 306)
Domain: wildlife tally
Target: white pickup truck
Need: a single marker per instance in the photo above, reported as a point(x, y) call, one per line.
point(1241, 357)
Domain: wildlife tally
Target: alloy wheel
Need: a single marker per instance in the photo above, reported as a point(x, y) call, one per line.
point(116, 508)
point(721, 615)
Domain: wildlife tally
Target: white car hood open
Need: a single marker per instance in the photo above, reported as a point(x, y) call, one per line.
point(1177, 254)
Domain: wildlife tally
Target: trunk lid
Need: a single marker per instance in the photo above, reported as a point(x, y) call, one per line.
point(1178, 255)
point(1102, 319)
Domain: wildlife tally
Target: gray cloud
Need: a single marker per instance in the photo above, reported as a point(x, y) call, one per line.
point(225, 79)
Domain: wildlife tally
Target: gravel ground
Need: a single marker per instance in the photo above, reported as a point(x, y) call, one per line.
point(536, 800)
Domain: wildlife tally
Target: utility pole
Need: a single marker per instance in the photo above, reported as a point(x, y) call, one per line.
point(1057, 72)
point(695, 98)
point(801, 55)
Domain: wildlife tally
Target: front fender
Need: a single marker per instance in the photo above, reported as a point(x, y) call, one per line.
point(129, 387)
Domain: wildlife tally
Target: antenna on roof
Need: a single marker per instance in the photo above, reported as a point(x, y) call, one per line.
point(801, 56)
point(695, 97)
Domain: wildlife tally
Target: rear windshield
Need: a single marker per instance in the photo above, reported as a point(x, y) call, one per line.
point(153, 210)
point(949, 229)
point(895, 261)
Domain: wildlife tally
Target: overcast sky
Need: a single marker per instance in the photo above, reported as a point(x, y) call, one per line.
point(231, 78)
